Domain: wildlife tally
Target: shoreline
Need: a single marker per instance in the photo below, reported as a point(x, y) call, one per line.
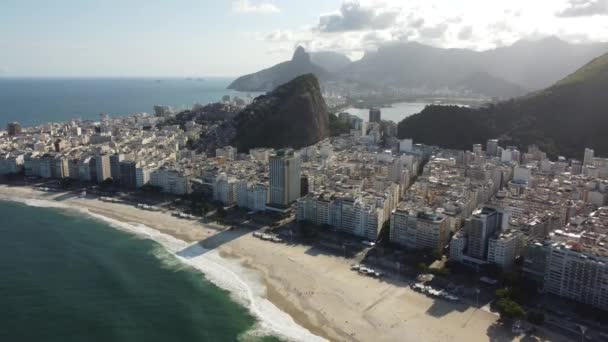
point(295, 292)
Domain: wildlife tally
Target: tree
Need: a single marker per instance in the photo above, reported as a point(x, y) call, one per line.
point(151, 188)
point(444, 272)
point(337, 127)
point(436, 253)
point(226, 98)
point(107, 183)
point(503, 293)
point(221, 212)
point(65, 183)
point(510, 309)
point(535, 317)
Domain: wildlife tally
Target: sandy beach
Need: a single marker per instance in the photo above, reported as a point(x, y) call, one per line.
point(302, 293)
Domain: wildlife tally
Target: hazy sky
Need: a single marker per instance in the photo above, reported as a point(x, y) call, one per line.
point(229, 38)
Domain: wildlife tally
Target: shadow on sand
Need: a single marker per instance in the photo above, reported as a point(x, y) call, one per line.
point(213, 242)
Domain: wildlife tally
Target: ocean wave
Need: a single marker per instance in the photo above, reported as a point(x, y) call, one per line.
point(245, 285)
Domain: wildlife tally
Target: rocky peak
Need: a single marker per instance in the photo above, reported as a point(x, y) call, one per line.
point(300, 55)
point(293, 115)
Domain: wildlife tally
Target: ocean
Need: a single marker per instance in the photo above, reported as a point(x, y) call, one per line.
point(35, 101)
point(68, 277)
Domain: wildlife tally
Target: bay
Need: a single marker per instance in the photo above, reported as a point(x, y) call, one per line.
point(34, 101)
point(66, 277)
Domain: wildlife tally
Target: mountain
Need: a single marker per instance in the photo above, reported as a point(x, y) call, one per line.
point(293, 115)
point(541, 63)
point(530, 65)
point(270, 78)
point(484, 83)
point(330, 61)
point(503, 72)
point(562, 119)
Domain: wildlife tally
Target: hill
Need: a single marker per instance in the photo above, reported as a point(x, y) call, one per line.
point(270, 78)
point(562, 119)
point(330, 61)
point(293, 115)
point(504, 72)
point(416, 65)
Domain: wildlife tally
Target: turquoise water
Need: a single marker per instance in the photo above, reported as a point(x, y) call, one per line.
point(65, 277)
point(35, 101)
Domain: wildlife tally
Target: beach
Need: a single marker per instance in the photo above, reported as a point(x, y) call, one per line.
point(296, 292)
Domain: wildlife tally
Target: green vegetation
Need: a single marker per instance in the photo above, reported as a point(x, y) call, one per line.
point(510, 309)
point(151, 189)
point(535, 317)
point(562, 120)
point(337, 127)
point(294, 115)
point(442, 272)
point(221, 212)
point(508, 306)
point(593, 69)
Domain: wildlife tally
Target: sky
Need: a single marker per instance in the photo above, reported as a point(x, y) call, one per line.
point(162, 38)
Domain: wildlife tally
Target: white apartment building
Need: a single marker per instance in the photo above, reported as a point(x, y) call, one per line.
point(142, 174)
point(228, 152)
point(224, 189)
point(577, 275)
point(285, 174)
point(419, 230)
point(46, 167)
point(360, 216)
point(31, 164)
point(252, 196)
point(104, 170)
point(10, 164)
point(61, 167)
point(171, 181)
point(458, 246)
point(504, 248)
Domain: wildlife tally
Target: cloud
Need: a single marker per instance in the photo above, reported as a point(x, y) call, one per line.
point(465, 33)
point(584, 8)
point(359, 26)
point(279, 36)
point(434, 32)
point(353, 16)
point(244, 6)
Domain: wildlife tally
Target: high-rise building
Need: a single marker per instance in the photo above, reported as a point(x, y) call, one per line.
point(375, 115)
point(285, 174)
point(492, 148)
point(142, 174)
point(577, 275)
point(128, 172)
point(13, 128)
point(477, 149)
point(589, 154)
point(479, 228)
point(61, 167)
point(224, 189)
point(104, 170)
point(84, 169)
point(503, 248)
point(115, 160)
